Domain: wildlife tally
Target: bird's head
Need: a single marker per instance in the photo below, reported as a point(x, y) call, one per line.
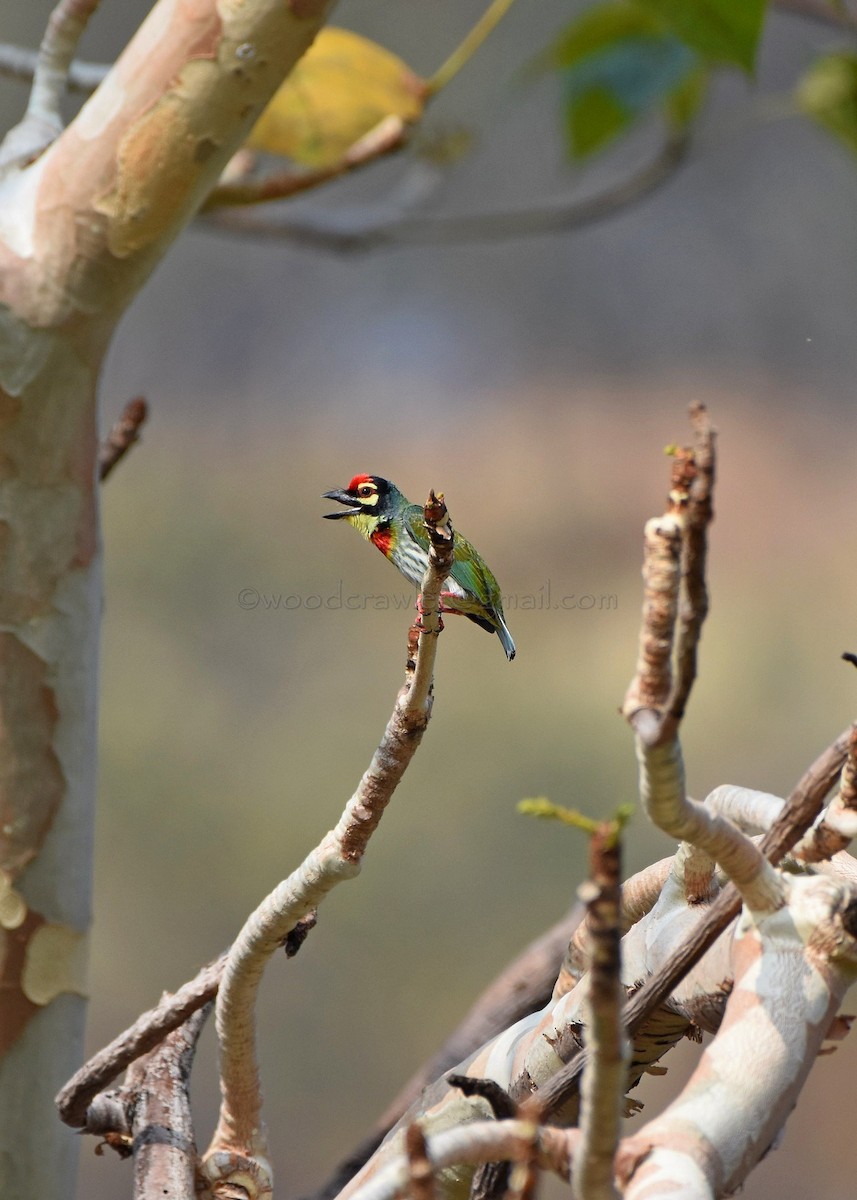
point(367, 502)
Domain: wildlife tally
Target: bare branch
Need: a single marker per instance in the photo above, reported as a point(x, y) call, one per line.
point(336, 236)
point(838, 827)
point(146, 1032)
point(78, 1100)
point(122, 436)
point(165, 1155)
point(42, 122)
point(674, 576)
point(388, 135)
point(604, 1077)
point(19, 63)
point(420, 1171)
point(801, 809)
point(239, 1146)
point(478, 1142)
point(699, 513)
point(747, 1080)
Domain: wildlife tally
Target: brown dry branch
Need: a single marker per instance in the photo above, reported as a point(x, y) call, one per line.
point(75, 1099)
point(838, 827)
point(389, 135)
point(149, 1117)
point(696, 478)
point(78, 1103)
point(122, 436)
point(674, 609)
point(420, 1171)
point(165, 1154)
point(238, 1151)
point(604, 1079)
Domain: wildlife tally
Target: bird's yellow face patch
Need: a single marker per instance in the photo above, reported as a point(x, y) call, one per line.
point(365, 523)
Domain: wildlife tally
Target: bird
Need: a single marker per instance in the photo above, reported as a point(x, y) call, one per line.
point(385, 517)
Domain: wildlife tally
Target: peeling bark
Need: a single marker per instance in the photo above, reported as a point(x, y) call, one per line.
point(81, 228)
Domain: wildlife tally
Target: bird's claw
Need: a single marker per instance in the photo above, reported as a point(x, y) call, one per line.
point(422, 611)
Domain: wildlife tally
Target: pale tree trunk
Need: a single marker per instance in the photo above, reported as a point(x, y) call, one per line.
point(81, 228)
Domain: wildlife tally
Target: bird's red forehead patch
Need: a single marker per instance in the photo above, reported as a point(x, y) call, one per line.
point(357, 480)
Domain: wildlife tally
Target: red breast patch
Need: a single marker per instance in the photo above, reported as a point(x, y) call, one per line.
point(383, 539)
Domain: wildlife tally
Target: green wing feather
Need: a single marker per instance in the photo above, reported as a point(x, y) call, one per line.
point(468, 570)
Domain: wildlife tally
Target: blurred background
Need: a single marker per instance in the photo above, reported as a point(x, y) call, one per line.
point(536, 381)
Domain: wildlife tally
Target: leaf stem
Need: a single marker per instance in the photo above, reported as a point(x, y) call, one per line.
point(465, 50)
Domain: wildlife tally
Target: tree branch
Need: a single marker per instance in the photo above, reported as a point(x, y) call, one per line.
point(387, 136)
point(124, 434)
point(604, 1078)
point(147, 1032)
point(335, 236)
point(165, 1155)
point(239, 1147)
point(42, 122)
point(801, 809)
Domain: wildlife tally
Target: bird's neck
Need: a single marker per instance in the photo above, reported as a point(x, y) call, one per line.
point(370, 526)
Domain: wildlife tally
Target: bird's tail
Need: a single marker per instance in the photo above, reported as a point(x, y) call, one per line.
point(506, 639)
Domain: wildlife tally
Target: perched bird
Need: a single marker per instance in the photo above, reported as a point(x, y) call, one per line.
point(377, 508)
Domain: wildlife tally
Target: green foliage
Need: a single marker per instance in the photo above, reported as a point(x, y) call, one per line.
point(828, 94)
point(623, 59)
point(721, 31)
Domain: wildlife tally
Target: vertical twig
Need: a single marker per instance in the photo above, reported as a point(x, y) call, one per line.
point(420, 1172)
point(165, 1155)
point(605, 1074)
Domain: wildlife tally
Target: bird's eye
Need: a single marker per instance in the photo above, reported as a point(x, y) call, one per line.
point(364, 491)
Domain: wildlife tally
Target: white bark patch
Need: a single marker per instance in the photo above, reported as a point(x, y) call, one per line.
point(18, 208)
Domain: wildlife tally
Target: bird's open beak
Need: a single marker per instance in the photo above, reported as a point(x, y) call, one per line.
point(339, 494)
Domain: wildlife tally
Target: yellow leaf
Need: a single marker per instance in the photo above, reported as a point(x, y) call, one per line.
point(341, 88)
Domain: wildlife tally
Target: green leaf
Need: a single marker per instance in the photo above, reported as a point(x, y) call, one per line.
point(600, 27)
point(722, 31)
point(593, 119)
point(828, 94)
point(621, 60)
